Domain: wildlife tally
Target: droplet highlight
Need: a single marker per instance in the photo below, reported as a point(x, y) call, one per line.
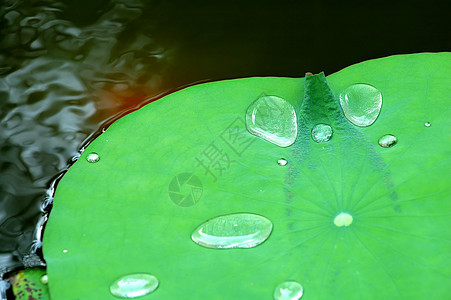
point(387, 141)
point(322, 133)
point(288, 290)
point(93, 157)
point(44, 279)
point(282, 162)
point(427, 124)
point(361, 103)
point(241, 230)
point(273, 119)
point(343, 219)
point(134, 285)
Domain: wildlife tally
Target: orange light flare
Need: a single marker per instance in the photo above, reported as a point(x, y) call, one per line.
point(113, 98)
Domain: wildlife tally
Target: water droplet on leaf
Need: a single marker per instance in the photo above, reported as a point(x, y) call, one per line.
point(93, 157)
point(288, 290)
point(241, 230)
point(427, 124)
point(361, 104)
point(44, 279)
point(321, 133)
point(282, 162)
point(273, 119)
point(387, 141)
point(134, 285)
point(343, 219)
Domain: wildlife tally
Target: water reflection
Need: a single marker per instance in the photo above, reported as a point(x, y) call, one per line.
point(61, 75)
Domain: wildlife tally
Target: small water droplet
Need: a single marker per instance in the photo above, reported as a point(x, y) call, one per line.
point(134, 285)
point(361, 104)
point(44, 279)
point(273, 119)
point(321, 133)
point(282, 162)
point(241, 230)
point(343, 219)
point(76, 157)
point(427, 124)
point(288, 290)
point(93, 157)
point(387, 141)
point(64, 251)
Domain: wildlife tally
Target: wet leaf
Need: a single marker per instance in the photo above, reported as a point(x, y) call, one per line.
point(351, 219)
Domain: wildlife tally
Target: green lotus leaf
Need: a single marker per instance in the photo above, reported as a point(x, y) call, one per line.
point(351, 219)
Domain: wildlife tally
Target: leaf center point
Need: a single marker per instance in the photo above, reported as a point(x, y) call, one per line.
point(343, 219)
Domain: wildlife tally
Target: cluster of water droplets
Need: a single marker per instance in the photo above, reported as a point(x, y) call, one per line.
point(273, 119)
point(361, 104)
point(239, 230)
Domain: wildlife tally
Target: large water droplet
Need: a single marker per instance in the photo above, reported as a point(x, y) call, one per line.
point(387, 141)
point(241, 230)
point(93, 157)
point(134, 285)
point(288, 290)
point(361, 104)
point(343, 219)
point(321, 133)
point(273, 119)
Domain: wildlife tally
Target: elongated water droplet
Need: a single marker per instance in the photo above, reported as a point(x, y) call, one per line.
point(387, 141)
point(273, 119)
point(93, 157)
point(343, 219)
point(240, 230)
point(134, 285)
point(288, 290)
point(321, 133)
point(361, 104)
point(282, 162)
point(427, 124)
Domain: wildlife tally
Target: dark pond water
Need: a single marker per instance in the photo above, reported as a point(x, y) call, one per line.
point(67, 67)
